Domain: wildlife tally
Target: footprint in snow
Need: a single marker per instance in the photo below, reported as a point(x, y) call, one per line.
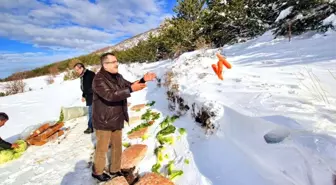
point(237, 80)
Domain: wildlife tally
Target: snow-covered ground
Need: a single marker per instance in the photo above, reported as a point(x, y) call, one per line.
point(283, 89)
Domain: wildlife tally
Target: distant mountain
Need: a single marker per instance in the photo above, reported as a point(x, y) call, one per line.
point(129, 43)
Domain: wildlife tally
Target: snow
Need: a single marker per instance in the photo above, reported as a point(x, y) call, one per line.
point(284, 13)
point(284, 90)
point(330, 20)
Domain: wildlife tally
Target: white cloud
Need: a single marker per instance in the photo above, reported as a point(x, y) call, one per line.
point(11, 62)
point(77, 24)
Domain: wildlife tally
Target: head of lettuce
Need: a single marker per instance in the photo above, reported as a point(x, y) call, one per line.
point(10, 151)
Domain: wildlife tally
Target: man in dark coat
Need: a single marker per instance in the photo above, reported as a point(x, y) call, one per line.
point(86, 78)
point(3, 144)
point(110, 93)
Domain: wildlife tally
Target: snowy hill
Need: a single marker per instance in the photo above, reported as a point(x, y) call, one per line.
point(284, 90)
point(129, 43)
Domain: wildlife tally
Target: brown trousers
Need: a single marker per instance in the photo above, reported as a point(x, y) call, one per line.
point(104, 138)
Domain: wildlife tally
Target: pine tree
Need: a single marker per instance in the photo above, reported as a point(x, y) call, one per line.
point(304, 15)
point(233, 21)
point(179, 36)
point(188, 10)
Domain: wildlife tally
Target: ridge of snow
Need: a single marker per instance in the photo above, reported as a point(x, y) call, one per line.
point(330, 20)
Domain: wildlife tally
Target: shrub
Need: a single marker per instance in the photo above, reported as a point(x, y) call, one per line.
point(53, 71)
point(15, 86)
point(69, 75)
point(95, 68)
point(50, 80)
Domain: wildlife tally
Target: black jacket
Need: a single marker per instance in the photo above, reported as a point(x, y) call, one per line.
point(5, 145)
point(86, 86)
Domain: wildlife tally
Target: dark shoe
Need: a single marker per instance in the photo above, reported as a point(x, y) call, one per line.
point(102, 177)
point(88, 131)
point(116, 174)
point(130, 177)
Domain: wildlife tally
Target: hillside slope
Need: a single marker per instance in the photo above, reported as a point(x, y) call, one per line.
point(264, 94)
point(129, 43)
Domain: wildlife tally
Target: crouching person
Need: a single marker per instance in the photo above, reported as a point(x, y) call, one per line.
point(109, 108)
point(3, 144)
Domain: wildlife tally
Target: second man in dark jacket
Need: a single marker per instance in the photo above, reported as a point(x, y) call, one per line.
point(86, 78)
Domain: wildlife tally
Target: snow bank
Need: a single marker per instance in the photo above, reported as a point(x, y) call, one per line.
point(330, 20)
point(270, 80)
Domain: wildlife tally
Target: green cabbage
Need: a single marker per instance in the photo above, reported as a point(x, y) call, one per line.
point(22, 146)
point(17, 155)
point(10, 154)
point(6, 155)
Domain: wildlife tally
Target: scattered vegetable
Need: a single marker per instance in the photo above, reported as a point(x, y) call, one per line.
point(144, 137)
point(6, 155)
point(170, 167)
point(151, 103)
point(156, 167)
point(155, 115)
point(10, 154)
point(168, 121)
point(186, 161)
point(126, 145)
point(142, 125)
point(159, 153)
point(147, 115)
point(175, 174)
point(168, 130)
point(22, 146)
point(174, 118)
point(166, 139)
point(182, 131)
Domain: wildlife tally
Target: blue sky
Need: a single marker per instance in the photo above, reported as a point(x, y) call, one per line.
point(37, 32)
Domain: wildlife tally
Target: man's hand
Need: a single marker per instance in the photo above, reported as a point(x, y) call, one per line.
point(14, 145)
point(149, 77)
point(137, 86)
point(83, 99)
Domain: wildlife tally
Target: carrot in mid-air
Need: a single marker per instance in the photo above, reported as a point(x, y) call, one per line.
point(218, 69)
point(225, 62)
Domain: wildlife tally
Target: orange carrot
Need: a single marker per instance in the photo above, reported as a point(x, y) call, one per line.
point(220, 67)
point(225, 62)
point(214, 67)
